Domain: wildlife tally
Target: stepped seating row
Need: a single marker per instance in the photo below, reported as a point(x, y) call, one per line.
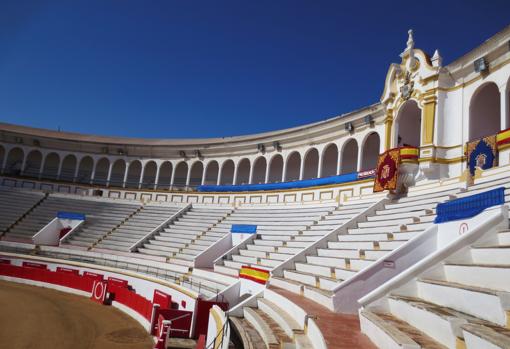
point(186, 237)
point(375, 236)
point(137, 226)
point(282, 231)
point(14, 204)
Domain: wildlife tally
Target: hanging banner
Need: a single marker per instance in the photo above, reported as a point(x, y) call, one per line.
point(481, 153)
point(386, 173)
point(254, 274)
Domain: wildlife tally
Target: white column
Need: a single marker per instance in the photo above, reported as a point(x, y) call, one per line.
point(156, 180)
point(284, 171)
point(61, 162)
point(25, 155)
point(94, 165)
point(142, 172)
point(360, 154)
point(109, 175)
point(75, 176)
point(188, 175)
point(250, 177)
point(339, 163)
point(319, 166)
point(172, 178)
point(234, 180)
point(302, 168)
point(204, 172)
point(4, 161)
point(266, 178)
point(220, 168)
point(125, 175)
point(504, 114)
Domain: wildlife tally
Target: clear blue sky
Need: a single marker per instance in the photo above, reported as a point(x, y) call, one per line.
point(170, 69)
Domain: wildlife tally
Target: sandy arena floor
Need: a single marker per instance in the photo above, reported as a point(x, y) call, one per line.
point(40, 318)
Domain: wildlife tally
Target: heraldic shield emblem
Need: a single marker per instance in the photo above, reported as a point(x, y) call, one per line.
point(481, 153)
point(386, 174)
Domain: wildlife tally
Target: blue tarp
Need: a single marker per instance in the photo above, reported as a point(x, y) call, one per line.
point(469, 206)
point(349, 177)
point(71, 215)
point(243, 228)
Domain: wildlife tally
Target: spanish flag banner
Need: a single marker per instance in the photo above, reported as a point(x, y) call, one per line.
point(254, 274)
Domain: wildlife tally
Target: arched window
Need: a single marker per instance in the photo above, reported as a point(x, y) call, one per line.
point(118, 173)
point(51, 164)
point(33, 164)
point(408, 125)
point(85, 170)
point(181, 173)
point(227, 173)
point(134, 172)
point(293, 167)
point(349, 157)
point(329, 160)
point(149, 175)
point(101, 173)
point(165, 175)
point(485, 112)
point(197, 171)
point(259, 170)
point(211, 173)
point(14, 161)
point(243, 172)
point(311, 164)
point(275, 169)
point(370, 151)
point(68, 168)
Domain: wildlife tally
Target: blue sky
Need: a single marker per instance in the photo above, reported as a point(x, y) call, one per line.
point(173, 69)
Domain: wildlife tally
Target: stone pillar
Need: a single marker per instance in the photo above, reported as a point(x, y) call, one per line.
point(504, 104)
point(109, 175)
point(142, 172)
point(126, 174)
point(156, 180)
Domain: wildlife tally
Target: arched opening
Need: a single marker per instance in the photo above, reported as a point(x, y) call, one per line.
point(293, 167)
point(311, 164)
point(68, 168)
point(149, 175)
point(259, 170)
point(101, 173)
point(197, 171)
point(349, 160)
point(85, 170)
point(408, 125)
point(118, 173)
point(485, 112)
point(275, 169)
point(33, 164)
point(243, 172)
point(329, 161)
point(227, 173)
point(165, 175)
point(181, 173)
point(14, 161)
point(211, 173)
point(2, 155)
point(370, 151)
point(133, 176)
point(51, 164)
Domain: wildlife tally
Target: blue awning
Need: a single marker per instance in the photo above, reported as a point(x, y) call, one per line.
point(71, 215)
point(243, 228)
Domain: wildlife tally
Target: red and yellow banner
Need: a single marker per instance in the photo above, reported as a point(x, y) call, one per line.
point(503, 138)
point(386, 173)
point(254, 274)
point(409, 153)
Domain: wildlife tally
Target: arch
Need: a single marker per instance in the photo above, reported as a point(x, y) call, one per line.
point(485, 111)
point(118, 173)
point(2, 155)
point(33, 164)
point(85, 170)
point(68, 168)
point(197, 171)
point(14, 161)
point(408, 125)
point(181, 173)
point(133, 174)
point(259, 170)
point(101, 172)
point(329, 160)
point(51, 164)
point(370, 151)
point(211, 173)
point(311, 164)
point(227, 173)
point(275, 169)
point(349, 162)
point(165, 175)
point(149, 175)
point(243, 171)
point(293, 167)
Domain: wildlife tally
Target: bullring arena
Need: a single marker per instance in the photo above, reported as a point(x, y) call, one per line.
point(385, 227)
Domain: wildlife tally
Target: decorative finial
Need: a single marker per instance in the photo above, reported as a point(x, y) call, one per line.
point(410, 40)
point(437, 60)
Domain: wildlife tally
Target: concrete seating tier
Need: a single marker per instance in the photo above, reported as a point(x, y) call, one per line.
point(141, 223)
point(189, 235)
point(375, 236)
point(282, 231)
point(100, 214)
point(460, 303)
point(14, 204)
